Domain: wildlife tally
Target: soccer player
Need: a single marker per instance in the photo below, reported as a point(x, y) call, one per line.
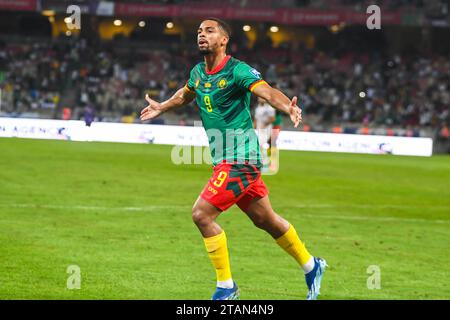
point(221, 86)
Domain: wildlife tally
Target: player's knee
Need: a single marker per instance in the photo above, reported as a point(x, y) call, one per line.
point(199, 216)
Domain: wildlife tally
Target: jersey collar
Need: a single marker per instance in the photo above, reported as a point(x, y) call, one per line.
point(219, 66)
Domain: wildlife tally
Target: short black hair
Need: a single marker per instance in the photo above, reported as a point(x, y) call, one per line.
point(222, 25)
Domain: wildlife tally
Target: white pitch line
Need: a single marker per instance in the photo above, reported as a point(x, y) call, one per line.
point(187, 207)
point(145, 208)
point(370, 206)
point(370, 218)
point(76, 207)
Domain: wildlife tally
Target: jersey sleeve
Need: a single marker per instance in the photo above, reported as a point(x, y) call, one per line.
point(247, 77)
point(190, 84)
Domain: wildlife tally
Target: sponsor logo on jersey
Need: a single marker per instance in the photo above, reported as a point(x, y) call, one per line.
point(211, 189)
point(222, 83)
point(256, 73)
point(207, 85)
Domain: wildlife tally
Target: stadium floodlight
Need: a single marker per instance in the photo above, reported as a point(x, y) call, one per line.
point(334, 28)
point(362, 94)
point(169, 25)
point(141, 24)
point(274, 29)
point(246, 28)
point(48, 13)
point(117, 22)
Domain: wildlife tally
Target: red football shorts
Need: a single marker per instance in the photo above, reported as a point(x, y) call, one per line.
point(234, 184)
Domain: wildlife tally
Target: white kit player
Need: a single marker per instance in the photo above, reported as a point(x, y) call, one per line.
point(264, 117)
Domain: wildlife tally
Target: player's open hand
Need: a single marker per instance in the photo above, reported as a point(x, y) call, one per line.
point(295, 112)
point(153, 109)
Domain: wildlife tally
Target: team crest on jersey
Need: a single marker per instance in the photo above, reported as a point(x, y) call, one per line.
point(196, 83)
point(255, 72)
point(222, 83)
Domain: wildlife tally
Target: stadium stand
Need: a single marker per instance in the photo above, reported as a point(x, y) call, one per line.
point(342, 87)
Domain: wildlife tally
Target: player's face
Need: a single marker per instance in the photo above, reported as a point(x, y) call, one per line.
point(210, 37)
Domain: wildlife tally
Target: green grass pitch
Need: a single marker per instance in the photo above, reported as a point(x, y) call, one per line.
point(122, 213)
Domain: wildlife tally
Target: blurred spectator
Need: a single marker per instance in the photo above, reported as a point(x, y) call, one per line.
point(67, 114)
point(89, 115)
point(444, 132)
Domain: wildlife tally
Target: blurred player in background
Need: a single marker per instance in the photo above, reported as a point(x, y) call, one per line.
point(276, 128)
point(222, 87)
point(264, 117)
point(268, 122)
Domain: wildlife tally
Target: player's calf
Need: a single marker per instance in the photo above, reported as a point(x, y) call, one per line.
point(275, 225)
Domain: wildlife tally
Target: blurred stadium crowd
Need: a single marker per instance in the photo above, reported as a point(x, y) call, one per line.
point(335, 87)
point(347, 86)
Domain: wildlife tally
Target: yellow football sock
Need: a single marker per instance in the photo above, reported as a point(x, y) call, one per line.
point(291, 243)
point(218, 253)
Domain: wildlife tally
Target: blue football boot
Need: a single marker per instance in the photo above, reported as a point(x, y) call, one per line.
point(226, 294)
point(314, 277)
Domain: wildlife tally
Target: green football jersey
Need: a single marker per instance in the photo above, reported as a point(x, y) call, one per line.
point(223, 97)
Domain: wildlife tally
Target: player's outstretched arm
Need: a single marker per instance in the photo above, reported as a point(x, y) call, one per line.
point(154, 109)
point(278, 100)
